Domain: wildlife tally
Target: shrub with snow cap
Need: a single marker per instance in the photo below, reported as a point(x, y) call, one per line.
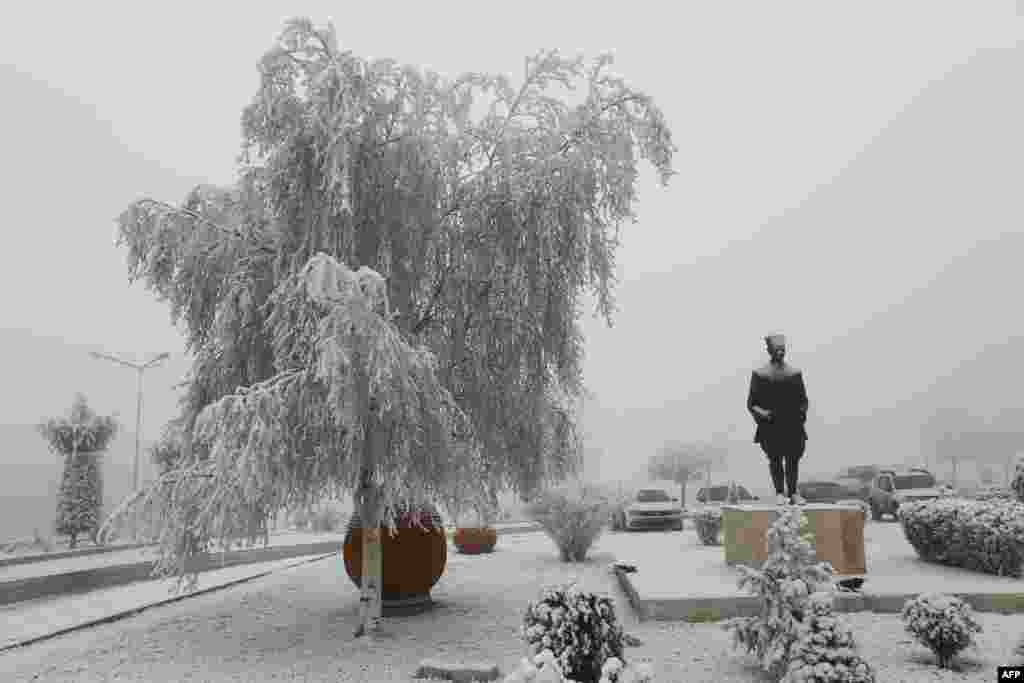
point(824, 650)
point(573, 516)
point(545, 669)
point(943, 623)
point(985, 536)
point(579, 628)
point(784, 583)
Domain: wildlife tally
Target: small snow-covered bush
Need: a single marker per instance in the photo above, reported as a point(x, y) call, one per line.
point(824, 650)
point(995, 494)
point(544, 669)
point(572, 516)
point(942, 623)
point(580, 628)
point(985, 536)
point(709, 526)
point(789, 575)
point(1018, 484)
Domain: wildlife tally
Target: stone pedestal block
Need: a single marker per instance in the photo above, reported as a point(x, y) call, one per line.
point(838, 534)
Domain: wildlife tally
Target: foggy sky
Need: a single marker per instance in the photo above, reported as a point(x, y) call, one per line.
point(772, 107)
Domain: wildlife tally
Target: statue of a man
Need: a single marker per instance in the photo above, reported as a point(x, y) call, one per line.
point(778, 403)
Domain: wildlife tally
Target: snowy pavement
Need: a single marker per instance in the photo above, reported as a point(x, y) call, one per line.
point(296, 624)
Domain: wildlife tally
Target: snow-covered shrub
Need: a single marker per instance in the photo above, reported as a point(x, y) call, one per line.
point(942, 623)
point(995, 494)
point(572, 516)
point(708, 524)
point(985, 536)
point(545, 669)
point(789, 575)
point(1018, 484)
point(580, 628)
point(824, 650)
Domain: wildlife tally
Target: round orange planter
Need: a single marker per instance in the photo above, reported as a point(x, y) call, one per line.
point(473, 541)
point(414, 559)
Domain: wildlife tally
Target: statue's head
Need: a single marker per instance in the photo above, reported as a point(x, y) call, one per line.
point(776, 345)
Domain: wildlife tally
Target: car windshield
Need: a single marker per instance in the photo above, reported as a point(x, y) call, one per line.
point(914, 481)
point(653, 496)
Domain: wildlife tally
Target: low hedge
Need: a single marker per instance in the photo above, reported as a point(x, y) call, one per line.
point(985, 536)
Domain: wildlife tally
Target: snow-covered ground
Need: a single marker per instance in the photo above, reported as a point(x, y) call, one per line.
point(297, 625)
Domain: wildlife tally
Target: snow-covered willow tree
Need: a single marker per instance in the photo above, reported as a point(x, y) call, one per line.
point(392, 276)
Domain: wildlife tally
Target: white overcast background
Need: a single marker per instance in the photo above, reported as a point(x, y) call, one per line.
point(787, 116)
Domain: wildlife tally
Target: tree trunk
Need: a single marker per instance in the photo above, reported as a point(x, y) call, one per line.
point(368, 500)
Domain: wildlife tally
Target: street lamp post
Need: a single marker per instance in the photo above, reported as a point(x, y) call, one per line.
point(139, 368)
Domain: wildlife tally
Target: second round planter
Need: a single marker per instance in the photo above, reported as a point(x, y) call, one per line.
point(473, 541)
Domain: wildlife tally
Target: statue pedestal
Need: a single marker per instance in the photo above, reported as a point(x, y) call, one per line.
point(838, 534)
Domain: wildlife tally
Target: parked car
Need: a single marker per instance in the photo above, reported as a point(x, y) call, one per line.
point(825, 491)
point(650, 507)
point(892, 488)
point(857, 486)
point(717, 495)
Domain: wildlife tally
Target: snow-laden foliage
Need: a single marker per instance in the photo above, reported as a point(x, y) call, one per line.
point(484, 231)
point(943, 623)
point(580, 628)
point(708, 523)
point(1018, 484)
point(784, 583)
point(80, 439)
point(83, 431)
point(573, 516)
point(985, 536)
point(544, 668)
point(824, 650)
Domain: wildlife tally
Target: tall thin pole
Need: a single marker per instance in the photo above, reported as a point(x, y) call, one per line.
point(139, 369)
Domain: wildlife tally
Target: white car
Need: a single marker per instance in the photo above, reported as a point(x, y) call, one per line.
point(650, 507)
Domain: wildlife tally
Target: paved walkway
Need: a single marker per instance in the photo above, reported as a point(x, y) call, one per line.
point(148, 554)
point(671, 565)
point(26, 622)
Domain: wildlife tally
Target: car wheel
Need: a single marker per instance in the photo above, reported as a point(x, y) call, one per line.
point(876, 514)
point(678, 526)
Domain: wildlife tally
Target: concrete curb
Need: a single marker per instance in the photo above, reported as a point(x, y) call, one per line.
point(707, 609)
point(86, 580)
point(65, 554)
point(83, 581)
point(100, 550)
point(157, 603)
